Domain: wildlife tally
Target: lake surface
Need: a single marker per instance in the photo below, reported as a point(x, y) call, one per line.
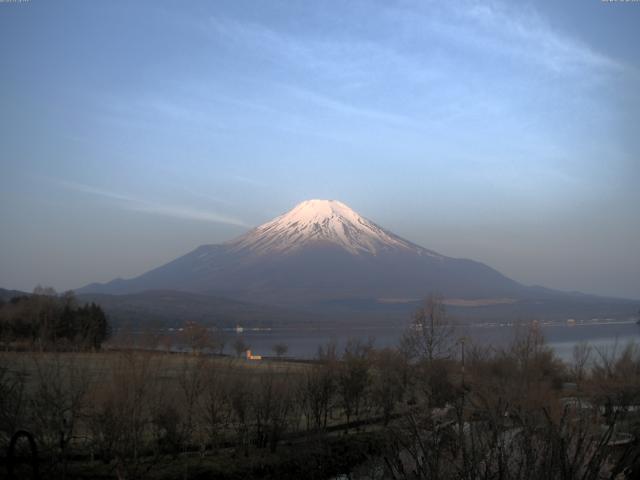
point(304, 342)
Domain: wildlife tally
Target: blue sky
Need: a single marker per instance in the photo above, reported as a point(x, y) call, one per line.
point(131, 132)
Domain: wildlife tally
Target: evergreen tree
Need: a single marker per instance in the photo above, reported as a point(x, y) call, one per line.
point(46, 319)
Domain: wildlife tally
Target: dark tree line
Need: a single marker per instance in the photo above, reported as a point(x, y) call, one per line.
point(45, 320)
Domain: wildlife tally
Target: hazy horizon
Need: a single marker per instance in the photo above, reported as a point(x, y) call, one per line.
point(134, 132)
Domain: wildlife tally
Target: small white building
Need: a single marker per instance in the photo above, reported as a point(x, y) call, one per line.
point(250, 356)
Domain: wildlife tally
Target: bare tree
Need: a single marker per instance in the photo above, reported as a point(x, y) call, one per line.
point(615, 378)
point(58, 403)
point(214, 406)
point(272, 404)
point(389, 381)
point(317, 388)
point(240, 347)
point(12, 398)
point(581, 356)
point(196, 337)
point(418, 447)
point(280, 349)
point(126, 408)
point(431, 334)
point(240, 392)
point(353, 378)
point(191, 381)
point(43, 314)
point(218, 341)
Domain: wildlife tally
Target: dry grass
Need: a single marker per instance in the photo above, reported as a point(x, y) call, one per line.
point(170, 365)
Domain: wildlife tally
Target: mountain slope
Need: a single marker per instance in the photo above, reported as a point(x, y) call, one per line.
point(6, 295)
point(172, 308)
point(320, 250)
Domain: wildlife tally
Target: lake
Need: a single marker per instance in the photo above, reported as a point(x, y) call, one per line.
point(304, 342)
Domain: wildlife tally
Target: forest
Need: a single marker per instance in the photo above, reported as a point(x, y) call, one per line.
point(45, 320)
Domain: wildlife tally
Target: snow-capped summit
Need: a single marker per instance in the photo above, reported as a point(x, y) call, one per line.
point(321, 222)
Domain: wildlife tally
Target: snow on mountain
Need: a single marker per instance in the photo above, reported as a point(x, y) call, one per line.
point(322, 222)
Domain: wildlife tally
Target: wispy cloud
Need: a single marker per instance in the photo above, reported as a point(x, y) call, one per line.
point(349, 109)
point(351, 59)
point(518, 31)
point(493, 27)
point(445, 60)
point(134, 204)
point(353, 66)
point(157, 109)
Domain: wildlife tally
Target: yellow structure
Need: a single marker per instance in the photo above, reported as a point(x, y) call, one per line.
point(250, 356)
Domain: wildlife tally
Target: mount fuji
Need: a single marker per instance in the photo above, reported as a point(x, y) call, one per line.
point(320, 251)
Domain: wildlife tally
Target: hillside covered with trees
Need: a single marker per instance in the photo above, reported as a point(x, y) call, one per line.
point(45, 320)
